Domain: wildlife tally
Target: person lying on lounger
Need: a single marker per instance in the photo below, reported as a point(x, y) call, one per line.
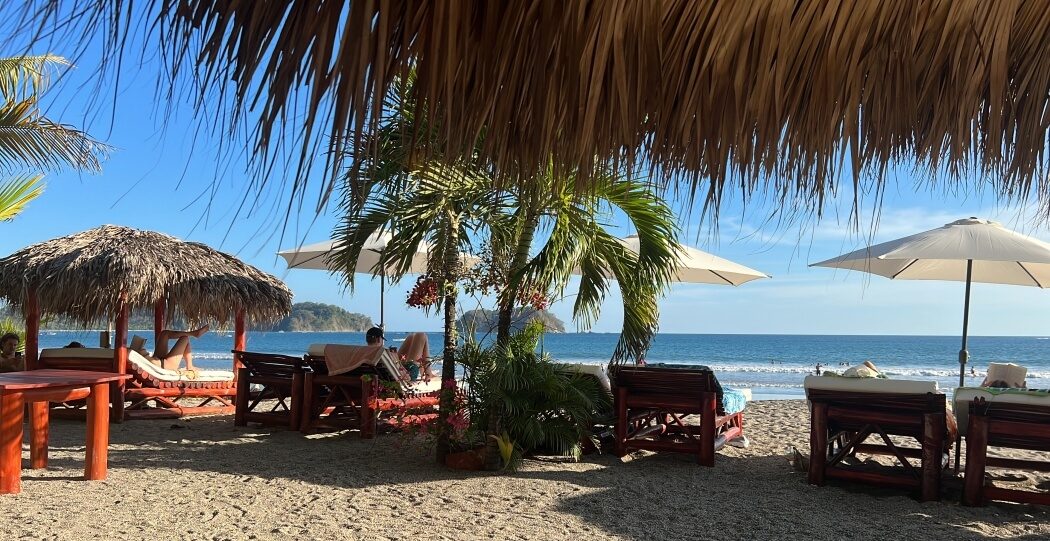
point(415, 350)
point(170, 359)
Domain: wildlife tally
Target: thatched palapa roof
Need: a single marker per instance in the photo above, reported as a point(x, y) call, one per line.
point(774, 94)
point(83, 275)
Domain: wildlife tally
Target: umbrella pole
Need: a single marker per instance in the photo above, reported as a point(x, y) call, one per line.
point(964, 355)
point(382, 298)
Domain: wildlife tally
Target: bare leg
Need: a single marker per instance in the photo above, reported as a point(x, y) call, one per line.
point(176, 354)
point(416, 347)
point(166, 335)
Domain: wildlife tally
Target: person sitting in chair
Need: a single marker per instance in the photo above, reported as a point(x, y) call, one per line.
point(170, 359)
point(414, 351)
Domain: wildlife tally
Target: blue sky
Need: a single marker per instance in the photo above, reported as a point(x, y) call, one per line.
point(164, 175)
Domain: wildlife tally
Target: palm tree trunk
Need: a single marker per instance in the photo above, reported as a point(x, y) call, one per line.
point(507, 300)
point(450, 262)
point(509, 296)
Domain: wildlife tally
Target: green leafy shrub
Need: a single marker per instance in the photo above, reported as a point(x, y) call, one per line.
point(541, 405)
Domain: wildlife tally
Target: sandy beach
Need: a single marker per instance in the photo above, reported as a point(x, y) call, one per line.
point(206, 479)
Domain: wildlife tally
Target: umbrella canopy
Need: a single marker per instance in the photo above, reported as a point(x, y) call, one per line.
point(85, 276)
point(998, 255)
point(699, 267)
point(315, 256)
point(969, 250)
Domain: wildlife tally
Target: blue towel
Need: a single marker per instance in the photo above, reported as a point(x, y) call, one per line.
point(733, 401)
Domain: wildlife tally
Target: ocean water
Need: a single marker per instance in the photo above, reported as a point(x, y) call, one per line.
point(772, 366)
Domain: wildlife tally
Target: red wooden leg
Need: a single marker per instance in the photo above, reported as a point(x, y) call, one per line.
point(38, 434)
point(12, 410)
point(976, 460)
point(368, 410)
point(308, 406)
point(296, 407)
point(818, 443)
point(620, 447)
point(709, 406)
point(932, 453)
point(244, 387)
point(97, 432)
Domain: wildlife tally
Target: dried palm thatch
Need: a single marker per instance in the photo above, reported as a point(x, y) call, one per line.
point(84, 275)
point(783, 95)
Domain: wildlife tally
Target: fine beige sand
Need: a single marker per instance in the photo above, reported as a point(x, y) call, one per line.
point(206, 479)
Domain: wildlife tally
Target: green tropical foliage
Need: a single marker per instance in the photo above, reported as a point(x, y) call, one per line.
point(540, 405)
point(16, 193)
point(28, 139)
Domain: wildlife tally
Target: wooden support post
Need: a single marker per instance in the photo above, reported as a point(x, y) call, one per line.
point(98, 430)
point(818, 443)
point(976, 459)
point(368, 411)
point(11, 411)
point(32, 309)
point(620, 399)
point(709, 406)
point(243, 397)
point(933, 428)
point(305, 422)
point(296, 407)
point(38, 433)
point(240, 339)
point(160, 309)
point(121, 359)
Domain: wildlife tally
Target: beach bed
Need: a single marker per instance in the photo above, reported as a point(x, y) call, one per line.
point(1005, 418)
point(652, 403)
point(846, 411)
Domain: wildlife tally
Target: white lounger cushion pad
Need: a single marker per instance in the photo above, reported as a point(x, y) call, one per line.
point(161, 374)
point(869, 385)
point(77, 353)
point(965, 395)
point(595, 370)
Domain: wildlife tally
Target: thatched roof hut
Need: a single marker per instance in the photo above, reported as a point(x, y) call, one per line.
point(777, 95)
point(89, 275)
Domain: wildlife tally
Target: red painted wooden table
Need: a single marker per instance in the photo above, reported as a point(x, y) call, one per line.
point(37, 388)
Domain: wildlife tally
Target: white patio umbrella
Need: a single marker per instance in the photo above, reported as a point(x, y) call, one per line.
point(969, 250)
point(314, 256)
point(699, 267)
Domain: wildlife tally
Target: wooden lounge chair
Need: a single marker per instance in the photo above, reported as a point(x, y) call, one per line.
point(152, 392)
point(357, 399)
point(1010, 418)
point(846, 411)
point(269, 377)
point(652, 403)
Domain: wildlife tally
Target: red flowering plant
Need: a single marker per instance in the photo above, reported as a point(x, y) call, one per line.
point(416, 425)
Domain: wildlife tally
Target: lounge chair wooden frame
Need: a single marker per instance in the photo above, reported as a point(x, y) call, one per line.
point(337, 402)
point(1015, 426)
point(651, 404)
point(841, 421)
point(281, 380)
point(140, 397)
point(351, 401)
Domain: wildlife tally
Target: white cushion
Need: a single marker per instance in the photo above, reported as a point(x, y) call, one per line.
point(965, 395)
point(869, 385)
point(162, 374)
point(316, 350)
point(595, 370)
point(77, 353)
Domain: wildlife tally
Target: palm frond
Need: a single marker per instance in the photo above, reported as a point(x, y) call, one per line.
point(16, 193)
point(29, 75)
point(30, 140)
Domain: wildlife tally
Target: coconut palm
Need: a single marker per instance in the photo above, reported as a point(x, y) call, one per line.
point(445, 206)
point(29, 140)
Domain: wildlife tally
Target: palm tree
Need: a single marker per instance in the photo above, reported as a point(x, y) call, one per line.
point(29, 140)
point(442, 205)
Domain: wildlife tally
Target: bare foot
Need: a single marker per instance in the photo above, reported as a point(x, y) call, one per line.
point(197, 333)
